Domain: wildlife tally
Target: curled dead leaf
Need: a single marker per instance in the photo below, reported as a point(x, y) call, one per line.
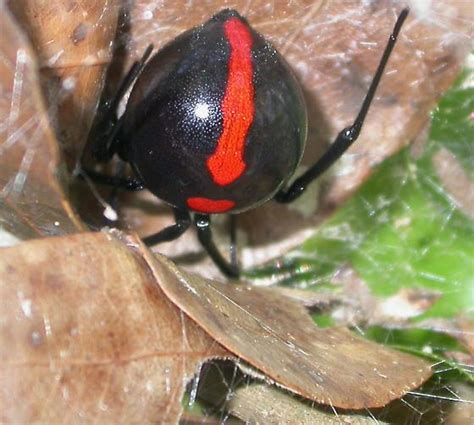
point(278, 337)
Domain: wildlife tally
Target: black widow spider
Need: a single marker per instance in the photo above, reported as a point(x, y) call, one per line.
point(216, 123)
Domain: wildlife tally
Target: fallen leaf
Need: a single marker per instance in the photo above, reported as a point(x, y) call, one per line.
point(225, 388)
point(278, 337)
point(73, 42)
point(33, 202)
point(266, 405)
point(86, 335)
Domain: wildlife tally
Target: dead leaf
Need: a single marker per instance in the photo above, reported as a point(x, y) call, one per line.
point(73, 42)
point(32, 198)
point(68, 34)
point(225, 388)
point(261, 404)
point(86, 335)
point(278, 337)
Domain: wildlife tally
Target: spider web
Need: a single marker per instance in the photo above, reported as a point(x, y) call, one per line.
point(411, 211)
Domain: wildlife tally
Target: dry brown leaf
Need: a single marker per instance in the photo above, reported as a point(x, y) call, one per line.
point(278, 337)
point(73, 42)
point(68, 34)
point(85, 312)
point(32, 200)
point(224, 388)
point(261, 404)
point(87, 336)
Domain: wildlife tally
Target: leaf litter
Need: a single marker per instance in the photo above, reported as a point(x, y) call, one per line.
point(446, 69)
point(71, 321)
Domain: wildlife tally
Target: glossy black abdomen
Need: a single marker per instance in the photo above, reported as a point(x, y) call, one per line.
point(176, 114)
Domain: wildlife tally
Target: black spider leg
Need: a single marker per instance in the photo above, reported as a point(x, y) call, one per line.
point(203, 226)
point(107, 131)
point(350, 134)
point(170, 233)
point(113, 181)
point(109, 127)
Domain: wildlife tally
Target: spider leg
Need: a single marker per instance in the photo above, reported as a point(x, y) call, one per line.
point(349, 134)
point(170, 233)
point(203, 225)
point(106, 134)
point(107, 130)
point(107, 180)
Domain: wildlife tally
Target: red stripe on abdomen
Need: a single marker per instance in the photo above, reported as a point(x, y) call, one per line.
point(206, 205)
point(227, 164)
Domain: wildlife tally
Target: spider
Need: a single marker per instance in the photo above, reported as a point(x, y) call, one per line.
point(216, 123)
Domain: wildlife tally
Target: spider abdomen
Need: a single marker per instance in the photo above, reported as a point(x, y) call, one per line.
point(216, 122)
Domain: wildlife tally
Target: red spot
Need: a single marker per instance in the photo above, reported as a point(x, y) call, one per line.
point(211, 206)
point(227, 164)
